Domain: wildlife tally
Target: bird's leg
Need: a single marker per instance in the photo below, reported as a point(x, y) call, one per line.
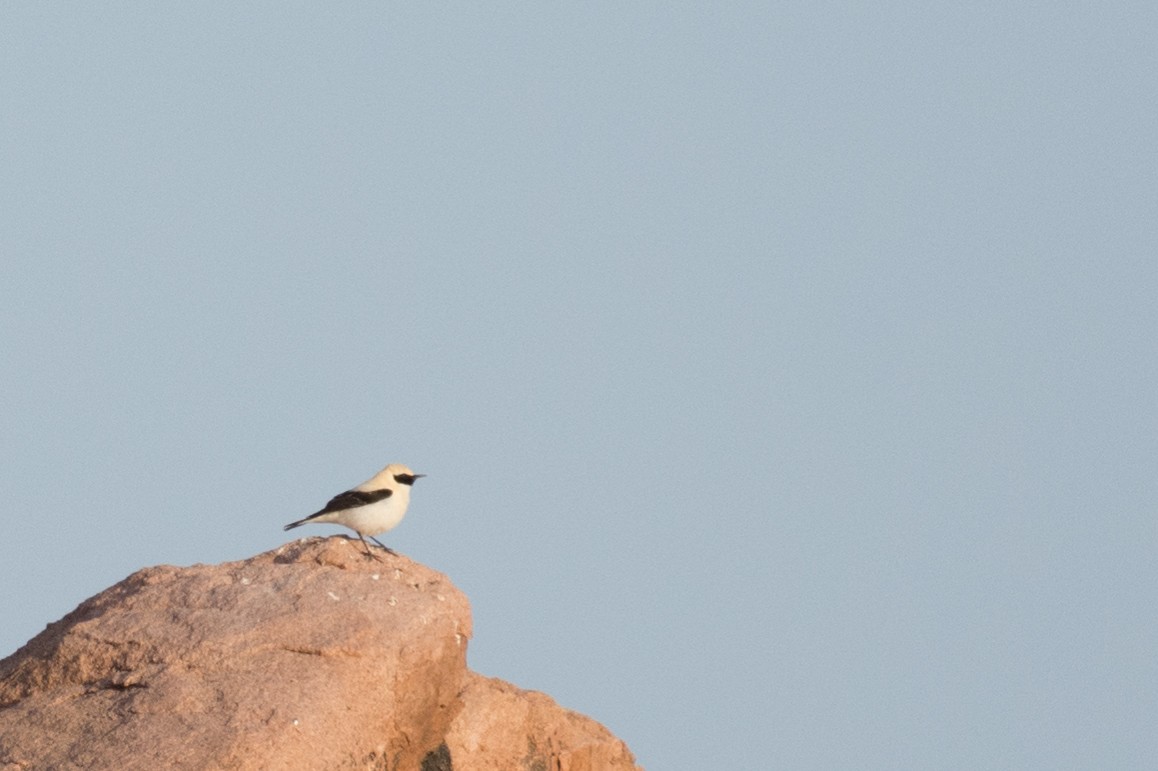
point(369, 553)
point(384, 546)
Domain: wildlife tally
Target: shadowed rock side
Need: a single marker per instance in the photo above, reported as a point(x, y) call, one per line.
point(306, 657)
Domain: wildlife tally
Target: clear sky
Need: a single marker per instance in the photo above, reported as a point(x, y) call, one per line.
point(785, 373)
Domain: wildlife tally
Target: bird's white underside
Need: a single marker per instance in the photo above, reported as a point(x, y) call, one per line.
point(373, 518)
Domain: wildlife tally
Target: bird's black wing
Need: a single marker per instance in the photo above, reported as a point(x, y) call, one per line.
point(352, 499)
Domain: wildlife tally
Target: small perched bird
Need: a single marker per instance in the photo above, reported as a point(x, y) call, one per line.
point(373, 507)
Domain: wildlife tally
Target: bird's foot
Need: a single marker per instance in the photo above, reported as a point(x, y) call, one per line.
point(384, 546)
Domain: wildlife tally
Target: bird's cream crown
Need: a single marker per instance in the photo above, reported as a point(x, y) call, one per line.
point(386, 477)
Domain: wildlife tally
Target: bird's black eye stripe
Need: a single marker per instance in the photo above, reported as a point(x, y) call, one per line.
point(405, 479)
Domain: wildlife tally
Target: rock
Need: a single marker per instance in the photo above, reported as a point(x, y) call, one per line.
point(310, 656)
point(307, 657)
point(503, 728)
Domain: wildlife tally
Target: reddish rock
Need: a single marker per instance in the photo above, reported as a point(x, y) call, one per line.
point(504, 728)
point(307, 657)
point(311, 656)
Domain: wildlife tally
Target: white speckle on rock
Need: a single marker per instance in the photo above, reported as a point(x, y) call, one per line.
point(333, 596)
point(393, 600)
point(245, 582)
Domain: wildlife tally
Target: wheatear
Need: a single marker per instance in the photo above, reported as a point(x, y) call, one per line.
point(373, 507)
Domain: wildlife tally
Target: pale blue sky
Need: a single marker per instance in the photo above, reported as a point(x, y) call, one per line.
point(785, 372)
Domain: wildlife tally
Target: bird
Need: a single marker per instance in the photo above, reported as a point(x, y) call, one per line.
point(373, 507)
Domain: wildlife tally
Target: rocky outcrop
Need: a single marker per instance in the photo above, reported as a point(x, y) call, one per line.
point(307, 657)
point(502, 727)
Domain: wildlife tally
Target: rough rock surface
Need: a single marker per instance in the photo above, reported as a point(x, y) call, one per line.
point(307, 657)
point(503, 728)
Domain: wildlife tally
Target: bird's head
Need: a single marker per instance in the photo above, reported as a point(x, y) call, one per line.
point(401, 474)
